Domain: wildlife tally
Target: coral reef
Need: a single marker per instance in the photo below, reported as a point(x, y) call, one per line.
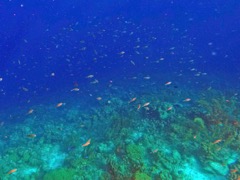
point(198, 140)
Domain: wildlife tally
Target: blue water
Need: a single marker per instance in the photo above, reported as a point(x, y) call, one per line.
point(153, 85)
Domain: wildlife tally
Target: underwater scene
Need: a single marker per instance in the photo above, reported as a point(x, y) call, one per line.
point(119, 90)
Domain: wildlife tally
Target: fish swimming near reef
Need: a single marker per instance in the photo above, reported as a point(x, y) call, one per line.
point(30, 111)
point(168, 83)
point(12, 171)
point(139, 106)
point(146, 104)
point(31, 135)
point(60, 104)
point(75, 89)
point(132, 100)
point(87, 143)
point(217, 141)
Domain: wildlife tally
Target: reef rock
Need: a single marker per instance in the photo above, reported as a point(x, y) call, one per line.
point(217, 168)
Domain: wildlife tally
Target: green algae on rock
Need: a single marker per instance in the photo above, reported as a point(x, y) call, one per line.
point(141, 176)
point(199, 121)
point(59, 174)
point(135, 153)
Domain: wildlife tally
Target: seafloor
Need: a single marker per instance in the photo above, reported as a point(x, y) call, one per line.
point(168, 132)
